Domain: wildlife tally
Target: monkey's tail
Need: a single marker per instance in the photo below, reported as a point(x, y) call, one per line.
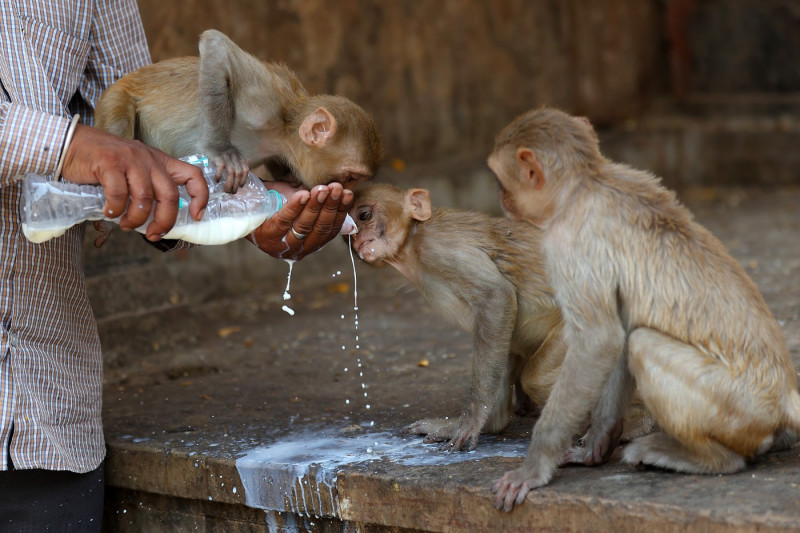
point(792, 409)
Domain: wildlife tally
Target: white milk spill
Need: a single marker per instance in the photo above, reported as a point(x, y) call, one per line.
point(298, 474)
point(286, 294)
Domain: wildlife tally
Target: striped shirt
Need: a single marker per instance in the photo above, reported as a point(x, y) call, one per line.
point(57, 57)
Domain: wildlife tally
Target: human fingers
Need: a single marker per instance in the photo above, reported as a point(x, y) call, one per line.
point(165, 210)
point(272, 237)
point(183, 173)
point(115, 188)
point(328, 221)
point(140, 193)
point(307, 219)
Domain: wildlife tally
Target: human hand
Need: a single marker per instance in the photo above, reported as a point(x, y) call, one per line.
point(318, 214)
point(131, 170)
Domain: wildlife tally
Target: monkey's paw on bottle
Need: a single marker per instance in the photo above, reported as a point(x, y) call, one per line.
point(49, 208)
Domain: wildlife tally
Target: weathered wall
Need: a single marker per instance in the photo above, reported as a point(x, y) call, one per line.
point(440, 76)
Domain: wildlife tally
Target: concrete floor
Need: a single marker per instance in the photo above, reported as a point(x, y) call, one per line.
point(259, 420)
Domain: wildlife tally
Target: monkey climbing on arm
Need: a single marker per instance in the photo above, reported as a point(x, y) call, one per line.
point(243, 113)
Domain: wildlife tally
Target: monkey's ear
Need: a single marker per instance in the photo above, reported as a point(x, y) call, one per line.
point(418, 204)
point(530, 167)
point(317, 127)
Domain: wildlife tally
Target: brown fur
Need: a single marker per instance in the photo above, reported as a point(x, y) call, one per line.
point(243, 112)
point(486, 275)
point(649, 297)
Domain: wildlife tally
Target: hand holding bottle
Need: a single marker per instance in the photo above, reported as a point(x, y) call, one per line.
point(131, 170)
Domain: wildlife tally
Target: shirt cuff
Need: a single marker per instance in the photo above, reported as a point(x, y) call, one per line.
point(30, 141)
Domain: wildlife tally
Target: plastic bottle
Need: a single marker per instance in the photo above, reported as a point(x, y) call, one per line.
point(49, 208)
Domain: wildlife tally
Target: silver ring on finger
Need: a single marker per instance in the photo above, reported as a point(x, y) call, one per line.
point(297, 235)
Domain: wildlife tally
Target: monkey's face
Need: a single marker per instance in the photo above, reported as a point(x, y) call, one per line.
point(382, 226)
point(523, 191)
point(322, 166)
point(506, 183)
point(371, 243)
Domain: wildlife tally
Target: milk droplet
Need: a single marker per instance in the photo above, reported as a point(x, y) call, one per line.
point(288, 309)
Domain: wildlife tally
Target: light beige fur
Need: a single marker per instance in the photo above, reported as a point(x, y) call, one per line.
point(485, 274)
point(649, 298)
point(243, 113)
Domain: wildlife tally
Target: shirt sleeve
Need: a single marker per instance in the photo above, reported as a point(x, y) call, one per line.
point(119, 46)
point(30, 141)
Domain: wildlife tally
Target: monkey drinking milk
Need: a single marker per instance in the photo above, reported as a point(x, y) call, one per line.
point(243, 113)
point(486, 275)
point(649, 299)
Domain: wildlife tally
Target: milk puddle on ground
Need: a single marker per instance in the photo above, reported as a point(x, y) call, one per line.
point(298, 473)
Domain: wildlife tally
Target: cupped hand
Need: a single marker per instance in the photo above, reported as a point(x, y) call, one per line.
point(318, 214)
point(136, 179)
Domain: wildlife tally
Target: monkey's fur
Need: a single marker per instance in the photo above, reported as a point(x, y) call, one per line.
point(650, 299)
point(486, 275)
point(242, 112)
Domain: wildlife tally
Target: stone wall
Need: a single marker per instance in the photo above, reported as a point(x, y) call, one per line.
point(441, 76)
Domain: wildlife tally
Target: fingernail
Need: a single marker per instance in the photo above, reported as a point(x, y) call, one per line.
point(336, 194)
point(304, 200)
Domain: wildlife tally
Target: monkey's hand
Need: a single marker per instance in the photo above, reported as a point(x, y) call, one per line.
point(233, 166)
point(513, 487)
point(434, 429)
point(598, 446)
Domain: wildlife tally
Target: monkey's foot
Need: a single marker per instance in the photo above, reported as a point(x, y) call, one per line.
point(104, 227)
point(467, 432)
point(434, 429)
point(232, 165)
point(663, 451)
point(514, 486)
point(454, 432)
point(598, 447)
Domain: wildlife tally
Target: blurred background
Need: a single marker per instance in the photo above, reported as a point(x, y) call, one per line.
point(704, 93)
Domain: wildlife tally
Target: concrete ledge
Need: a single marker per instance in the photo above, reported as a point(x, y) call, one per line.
point(245, 425)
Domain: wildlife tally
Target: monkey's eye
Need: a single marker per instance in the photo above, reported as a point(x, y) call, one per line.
point(364, 214)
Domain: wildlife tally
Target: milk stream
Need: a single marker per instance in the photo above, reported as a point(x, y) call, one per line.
point(286, 295)
point(359, 364)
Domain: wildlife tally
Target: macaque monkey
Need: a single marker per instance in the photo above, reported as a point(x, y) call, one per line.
point(486, 275)
point(243, 113)
point(650, 299)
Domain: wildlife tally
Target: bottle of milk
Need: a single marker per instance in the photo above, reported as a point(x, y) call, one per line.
point(49, 208)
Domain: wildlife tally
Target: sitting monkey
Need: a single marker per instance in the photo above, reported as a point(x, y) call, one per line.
point(486, 275)
point(650, 299)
